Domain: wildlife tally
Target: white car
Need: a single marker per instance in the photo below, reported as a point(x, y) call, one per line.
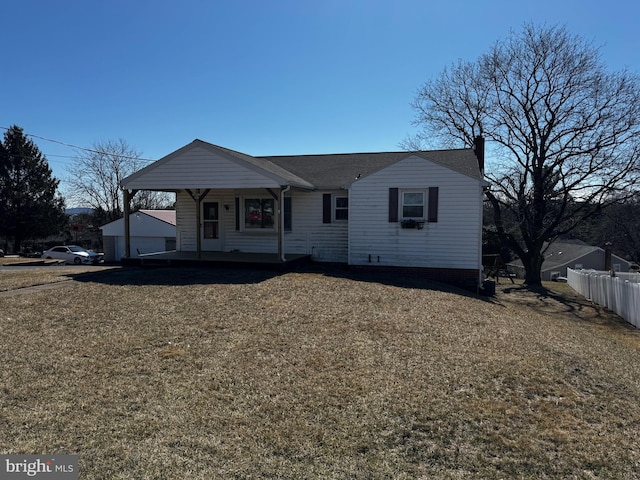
point(72, 254)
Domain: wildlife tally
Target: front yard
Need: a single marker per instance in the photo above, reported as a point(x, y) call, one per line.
point(201, 374)
point(12, 277)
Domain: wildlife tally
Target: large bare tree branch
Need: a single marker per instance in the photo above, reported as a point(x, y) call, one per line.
point(563, 131)
point(96, 174)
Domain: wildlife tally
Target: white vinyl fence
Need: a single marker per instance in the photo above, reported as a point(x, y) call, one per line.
point(620, 294)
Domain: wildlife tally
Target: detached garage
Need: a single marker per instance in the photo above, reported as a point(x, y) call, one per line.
point(151, 231)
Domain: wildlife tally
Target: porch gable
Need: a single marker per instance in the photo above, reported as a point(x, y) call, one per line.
point(202, 165)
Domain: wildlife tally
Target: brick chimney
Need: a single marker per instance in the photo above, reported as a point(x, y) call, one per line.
point(608, 247)
point(478, 149)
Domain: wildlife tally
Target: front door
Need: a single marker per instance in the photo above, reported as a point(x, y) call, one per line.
point(211, 227)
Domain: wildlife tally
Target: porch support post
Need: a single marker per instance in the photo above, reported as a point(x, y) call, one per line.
point(280, 252)
point(198, 225)
point(126, 198)
point(281, 256)
point(280, 201)
point(198, 197)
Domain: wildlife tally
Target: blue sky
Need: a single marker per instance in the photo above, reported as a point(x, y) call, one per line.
point(262, 77)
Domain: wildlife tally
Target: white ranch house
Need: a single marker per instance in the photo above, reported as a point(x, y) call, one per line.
point(394, 209)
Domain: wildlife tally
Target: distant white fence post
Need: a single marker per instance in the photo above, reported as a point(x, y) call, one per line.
point(620, 294)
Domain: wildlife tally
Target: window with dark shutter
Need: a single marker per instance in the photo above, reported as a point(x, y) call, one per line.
point(432, 214)
point(326, 208)
point(413, 204)
point(259, 213)
point(393, 205)
point(342, 208)
point(237, 205)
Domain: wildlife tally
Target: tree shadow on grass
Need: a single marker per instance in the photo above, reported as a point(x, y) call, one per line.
point(400, 278)
point(178, 276)
point(561, 299)
point(246, 274)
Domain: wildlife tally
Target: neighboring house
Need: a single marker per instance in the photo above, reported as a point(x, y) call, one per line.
point(575, 254)
point(151, 231)
point(395, 209)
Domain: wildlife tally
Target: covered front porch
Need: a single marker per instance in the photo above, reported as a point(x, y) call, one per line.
point(226, 203)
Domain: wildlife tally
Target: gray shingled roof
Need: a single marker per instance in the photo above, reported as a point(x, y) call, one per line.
point(338, 170)
point(263, 164)
point(562, 252)
point(332, 171)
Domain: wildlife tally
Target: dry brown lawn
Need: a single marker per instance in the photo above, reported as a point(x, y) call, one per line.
point(204, 374)
point(12, 277)
point(13, 260)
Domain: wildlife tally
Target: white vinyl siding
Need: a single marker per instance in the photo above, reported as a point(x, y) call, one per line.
point(206, 170)
point(185, 222)
point(451, 242)
point(367, 238)
point(324, 242)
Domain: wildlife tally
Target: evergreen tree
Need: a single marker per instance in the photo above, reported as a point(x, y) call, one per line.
point(30, 206)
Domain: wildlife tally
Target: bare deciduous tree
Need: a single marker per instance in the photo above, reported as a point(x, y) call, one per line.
point(563, 132)
point(96, 174)
point(620, 225)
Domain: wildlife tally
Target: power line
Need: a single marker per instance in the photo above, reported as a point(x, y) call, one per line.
point(82, 148)
point(52, 157)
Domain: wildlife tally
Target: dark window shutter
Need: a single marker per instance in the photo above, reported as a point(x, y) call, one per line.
point(393, 205)
point(287, 214)
point(237, 213)
point(433, 204)
point(326, 208)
